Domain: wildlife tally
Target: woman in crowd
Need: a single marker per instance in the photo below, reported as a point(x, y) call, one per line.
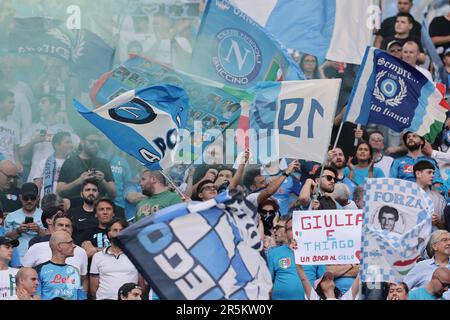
point(363, 165)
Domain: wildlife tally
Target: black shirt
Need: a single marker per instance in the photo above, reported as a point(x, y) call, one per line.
point(387, 28)
point(10, 200)
point(72, 169)
point(440, 27)
point(97, 237)
point(82, 221)
point(386, 41)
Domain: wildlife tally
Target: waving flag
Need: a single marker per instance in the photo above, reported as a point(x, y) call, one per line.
point(216, 105)
point(293, 119)
point(143, 123)
point(198, 251)
point(234, 49)
point(390, 92)
point(397, 225)
point(335, 29)
point(87, 55)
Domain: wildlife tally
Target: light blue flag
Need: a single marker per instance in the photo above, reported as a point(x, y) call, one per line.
point(144, 123)
point(338, 30)
point(201, 250)
point(215, 105)
point(233, 49)
point(396, 228)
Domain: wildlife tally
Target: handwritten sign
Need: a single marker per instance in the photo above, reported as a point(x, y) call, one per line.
point(327, 236)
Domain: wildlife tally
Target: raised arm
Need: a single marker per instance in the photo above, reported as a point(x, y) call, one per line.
point(273, 186)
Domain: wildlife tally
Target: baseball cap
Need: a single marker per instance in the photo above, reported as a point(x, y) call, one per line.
point(126, 288)
point(48, 213)
point(447, 51)
point(6, 240)
point(393, 42)
point(29, 189)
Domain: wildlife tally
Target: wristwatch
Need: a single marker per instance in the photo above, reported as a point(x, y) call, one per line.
point(286, 174)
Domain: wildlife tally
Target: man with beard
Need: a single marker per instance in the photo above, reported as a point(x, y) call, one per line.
point(153, 184)
point(85, 166)
point(25, 223)
point(402, 168)
point(309, 196)
point(336, 159)
point(83, 217)
point(9, 193)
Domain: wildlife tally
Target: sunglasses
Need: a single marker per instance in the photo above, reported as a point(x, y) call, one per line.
point(209, 188)
point(268, 211)
point(29, 198)
point(395, 50)
point(329, 178)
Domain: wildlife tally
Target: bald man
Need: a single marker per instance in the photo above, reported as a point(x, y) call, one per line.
point(411, 55)
point(9, 193)
point(26, 284)
point(56, 278)
point(433, 290)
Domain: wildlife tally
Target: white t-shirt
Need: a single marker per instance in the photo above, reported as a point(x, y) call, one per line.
point(41, 252)
point(9, 136)
point(8, 284)
point(425, 72)
point(113, 273)
point(385, 165)
point(43, 150)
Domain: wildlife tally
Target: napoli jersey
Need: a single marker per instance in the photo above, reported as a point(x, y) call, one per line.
point(59, 281)
point(402, 168)
point(289, 185)
point(286, 282)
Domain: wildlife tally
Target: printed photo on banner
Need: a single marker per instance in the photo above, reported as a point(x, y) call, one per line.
point(327, 237)
point(396, 228)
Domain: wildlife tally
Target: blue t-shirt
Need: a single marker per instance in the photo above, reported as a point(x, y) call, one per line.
point(343, 283)
point(14, 220)
point(15, 260)
point(360, 175)
point(59, 280)
point(421, 294)
point(286, 282)
point(402, 168)
point(289, 185)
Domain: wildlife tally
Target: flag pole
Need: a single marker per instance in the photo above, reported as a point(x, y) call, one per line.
point(315, 197)
point(174, 185)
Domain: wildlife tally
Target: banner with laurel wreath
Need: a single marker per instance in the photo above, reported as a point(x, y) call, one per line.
point(391, 92)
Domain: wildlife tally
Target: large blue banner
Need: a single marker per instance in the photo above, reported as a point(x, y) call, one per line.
point(234, 49)
point(217, 106)
point(201, 251)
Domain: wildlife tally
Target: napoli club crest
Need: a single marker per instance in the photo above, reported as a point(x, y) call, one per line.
point(137, 111)
point(236, 56)
point(389, 89)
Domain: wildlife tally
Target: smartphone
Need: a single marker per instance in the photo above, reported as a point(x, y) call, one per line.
point(43, 132)
point(28, 220)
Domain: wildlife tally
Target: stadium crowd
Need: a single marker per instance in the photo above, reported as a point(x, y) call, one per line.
point(65, 194)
